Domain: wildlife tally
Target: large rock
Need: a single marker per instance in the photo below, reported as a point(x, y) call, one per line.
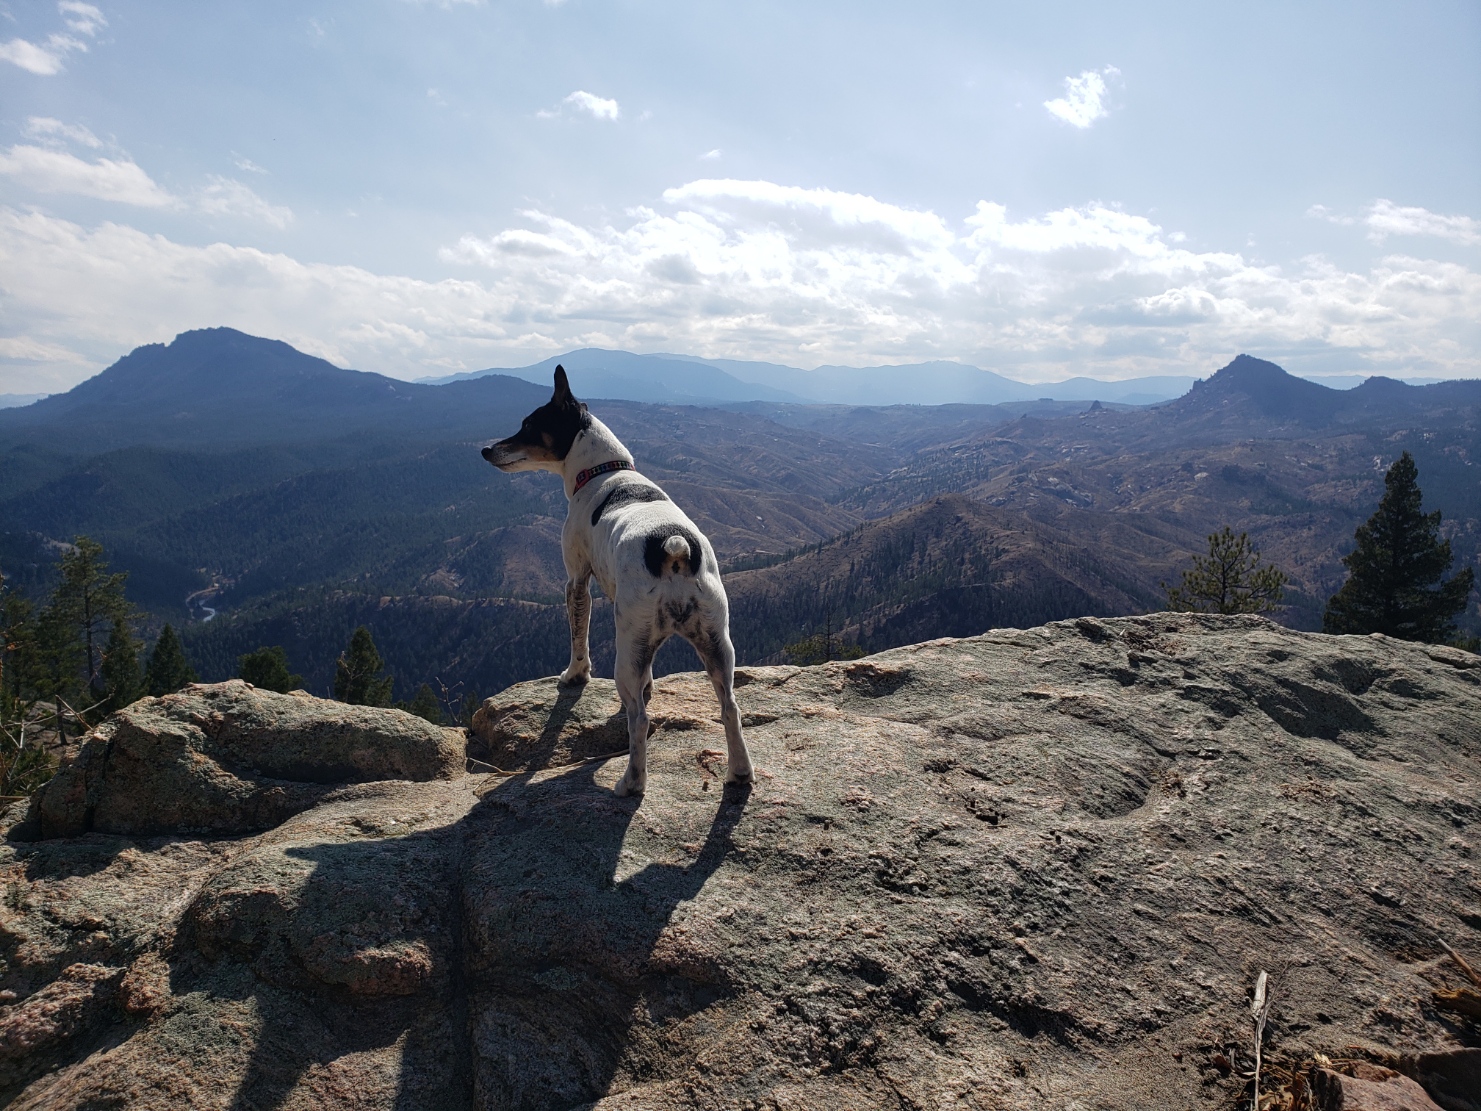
point(541, 724)
point(1030, 869)
point(229, 758)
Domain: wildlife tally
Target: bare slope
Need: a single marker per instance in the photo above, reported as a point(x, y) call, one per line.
point(1028, 869)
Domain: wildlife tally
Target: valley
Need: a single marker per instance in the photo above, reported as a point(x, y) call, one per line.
point(299, 500)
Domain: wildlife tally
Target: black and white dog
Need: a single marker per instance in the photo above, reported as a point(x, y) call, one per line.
point(650, 559)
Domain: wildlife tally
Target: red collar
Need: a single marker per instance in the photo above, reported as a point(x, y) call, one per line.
point(583, 477)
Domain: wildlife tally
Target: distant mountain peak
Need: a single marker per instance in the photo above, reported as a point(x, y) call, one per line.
point(1267, 387)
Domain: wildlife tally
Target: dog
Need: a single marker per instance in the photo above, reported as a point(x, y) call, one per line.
point(649, 558)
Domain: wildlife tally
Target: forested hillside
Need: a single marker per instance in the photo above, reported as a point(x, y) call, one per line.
point(257, 496)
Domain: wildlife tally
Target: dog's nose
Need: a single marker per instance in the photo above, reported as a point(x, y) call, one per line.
point(488, 453)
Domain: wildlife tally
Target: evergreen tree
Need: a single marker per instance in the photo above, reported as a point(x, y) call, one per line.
point(25, 763)
point(123, 681)
point(267, 669)
point(425, 705)
point(1393, 571)
point(471, 703)
point(73, 629)
point(822, 647)
point(355, 673)
point(168, 668)
point(17, 646)
point(1227, 580)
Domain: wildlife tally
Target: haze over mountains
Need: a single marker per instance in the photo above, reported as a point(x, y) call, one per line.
point(297, 499)
point(688, 378)
point(623, 375)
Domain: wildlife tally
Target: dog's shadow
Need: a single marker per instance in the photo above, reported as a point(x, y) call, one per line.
point(547, 953)
point(564, 917)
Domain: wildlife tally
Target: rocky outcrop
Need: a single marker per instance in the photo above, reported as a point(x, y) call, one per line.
point(1035, 868)
point(229, 758)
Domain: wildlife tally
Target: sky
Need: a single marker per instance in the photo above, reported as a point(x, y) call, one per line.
point(420, 188)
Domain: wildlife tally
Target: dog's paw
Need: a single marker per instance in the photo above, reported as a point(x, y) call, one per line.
point(569, 678)
point(741, 777)
point(627, 786)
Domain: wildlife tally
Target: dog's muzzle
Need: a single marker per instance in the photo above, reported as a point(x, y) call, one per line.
point(503, 457)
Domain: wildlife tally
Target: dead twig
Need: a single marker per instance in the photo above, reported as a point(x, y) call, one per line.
point(1259, 1011)
point(1461, 1001)
point(1471, 973)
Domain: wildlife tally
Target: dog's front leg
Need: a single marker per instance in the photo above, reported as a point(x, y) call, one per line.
point(578, 611)
point(634, 686)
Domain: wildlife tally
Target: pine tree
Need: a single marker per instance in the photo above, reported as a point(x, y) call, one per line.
point(471, 703)
point(820, 648)
point(123, 681)
point(168, 668)
point(72, 630)
point(25, 763)
point(267, 669)
point(18, 656)
point(355, 671)
point(1393, 571)
point(425, 705)
point(1227, 580)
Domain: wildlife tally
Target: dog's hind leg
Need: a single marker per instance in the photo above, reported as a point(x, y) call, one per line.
point(578, 611)
point(719, 660)
point(634, 674)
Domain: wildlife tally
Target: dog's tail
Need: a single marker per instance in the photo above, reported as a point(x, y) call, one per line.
point(676, 552)
point(673, 550)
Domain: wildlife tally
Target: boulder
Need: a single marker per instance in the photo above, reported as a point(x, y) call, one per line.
point(1376, 1089)
point(541, 724)
point(1033, 868)
point(229, 758)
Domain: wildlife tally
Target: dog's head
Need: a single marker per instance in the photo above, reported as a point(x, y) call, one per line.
point(545, 436)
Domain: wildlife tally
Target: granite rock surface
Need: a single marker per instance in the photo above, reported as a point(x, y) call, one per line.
point(1032, 869)
point(229, 758)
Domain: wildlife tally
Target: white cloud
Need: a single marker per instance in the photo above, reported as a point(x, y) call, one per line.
point(224, 196)
point(85, 19)
point(597, 107)
point(1386, 218)
point(755, 269)
point(1085, 96)
point(123, 181)
point(1322, 212)
point(710, 155)
point(242, 162)
point(46, 128)
point(30, 57)
point(46, 60)
point(54, 171)
point(23, 349)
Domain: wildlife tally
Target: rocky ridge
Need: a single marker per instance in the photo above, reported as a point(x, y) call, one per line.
point(1033, 868)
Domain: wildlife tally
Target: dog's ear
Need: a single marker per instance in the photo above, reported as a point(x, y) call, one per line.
point(563, 395)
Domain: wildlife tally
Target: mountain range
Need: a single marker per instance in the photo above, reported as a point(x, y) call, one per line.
point(667, 378)
point(656, 378)
point(235, 476)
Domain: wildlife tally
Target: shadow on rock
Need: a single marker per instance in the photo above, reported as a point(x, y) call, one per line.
point(581, 972)
point(341, 950)
point(332, 947)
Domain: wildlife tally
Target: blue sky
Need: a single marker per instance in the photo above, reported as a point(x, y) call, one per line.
point(418, 188)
